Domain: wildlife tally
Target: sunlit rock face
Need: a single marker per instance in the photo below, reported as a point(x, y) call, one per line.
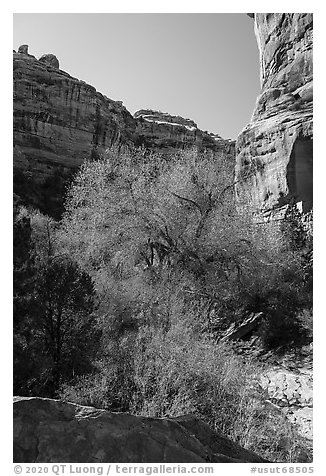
point(59, 122)
point(166, 133)
point(292, 393)
point(274, 160)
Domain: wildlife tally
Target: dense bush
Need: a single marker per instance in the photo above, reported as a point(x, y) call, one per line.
point(152, 232)
point(166, 374)
point(152, 262)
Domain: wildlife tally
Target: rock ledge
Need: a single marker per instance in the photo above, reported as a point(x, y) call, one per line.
point(51, 431)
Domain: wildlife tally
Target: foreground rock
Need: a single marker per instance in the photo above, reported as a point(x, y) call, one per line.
point(274, 152)
point(48, 430)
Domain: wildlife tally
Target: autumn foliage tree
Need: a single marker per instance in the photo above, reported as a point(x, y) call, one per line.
point(130, 293)
point(158, 234)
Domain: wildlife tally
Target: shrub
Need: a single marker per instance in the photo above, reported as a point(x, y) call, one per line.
point(166, 374)
point(136, 223)
point(173, 264)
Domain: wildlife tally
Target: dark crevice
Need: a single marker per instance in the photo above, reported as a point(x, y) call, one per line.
point(299, 174)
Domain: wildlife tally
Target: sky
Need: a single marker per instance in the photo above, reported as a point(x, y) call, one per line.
point(202, 66)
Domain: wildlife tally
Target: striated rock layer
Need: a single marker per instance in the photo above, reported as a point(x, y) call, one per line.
point(274, 151)
point(166, 133)
point(59, 122)
point(51, 431)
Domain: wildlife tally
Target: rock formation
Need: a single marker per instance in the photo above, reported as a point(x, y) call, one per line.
point(274, 151)
point(23, 49)
point(59, 122)
point(51, 60)
point(244, 328)
point(166, 133)
point(51, 431)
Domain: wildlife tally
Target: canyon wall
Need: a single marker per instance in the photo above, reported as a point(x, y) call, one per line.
point(274, 160)
point(60, 121)
point(166, 133)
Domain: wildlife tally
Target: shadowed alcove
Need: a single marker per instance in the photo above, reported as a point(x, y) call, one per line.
point(300, 172)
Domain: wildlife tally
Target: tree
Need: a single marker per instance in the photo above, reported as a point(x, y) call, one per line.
point(154, 233)
point(140, 225)
point(65, 300)
point(23, 283)
point(55, 334)
point(288, 303)
point(22, 261)
point(173, 263)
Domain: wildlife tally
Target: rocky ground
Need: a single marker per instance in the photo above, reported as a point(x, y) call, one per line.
point(289, 387)
point(286, 376)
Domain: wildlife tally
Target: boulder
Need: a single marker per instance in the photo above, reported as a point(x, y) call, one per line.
point(274, 151)
point(240, 330)
point(23, 49)
point(51, 431)
point(51, 60)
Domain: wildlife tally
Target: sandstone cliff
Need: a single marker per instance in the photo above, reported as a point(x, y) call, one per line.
point(59, 122)
point(274, 151)
point(166, 133)
point(51, 431)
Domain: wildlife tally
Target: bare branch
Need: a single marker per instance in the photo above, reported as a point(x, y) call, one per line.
point(223, 191)
point(187, 200)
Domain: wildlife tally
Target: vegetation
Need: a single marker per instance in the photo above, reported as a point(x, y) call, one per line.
point(53, 303)
point(123, 302)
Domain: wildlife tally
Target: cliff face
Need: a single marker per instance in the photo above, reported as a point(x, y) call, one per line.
point(59, 122)
point(166, 133)
point(274, 151)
